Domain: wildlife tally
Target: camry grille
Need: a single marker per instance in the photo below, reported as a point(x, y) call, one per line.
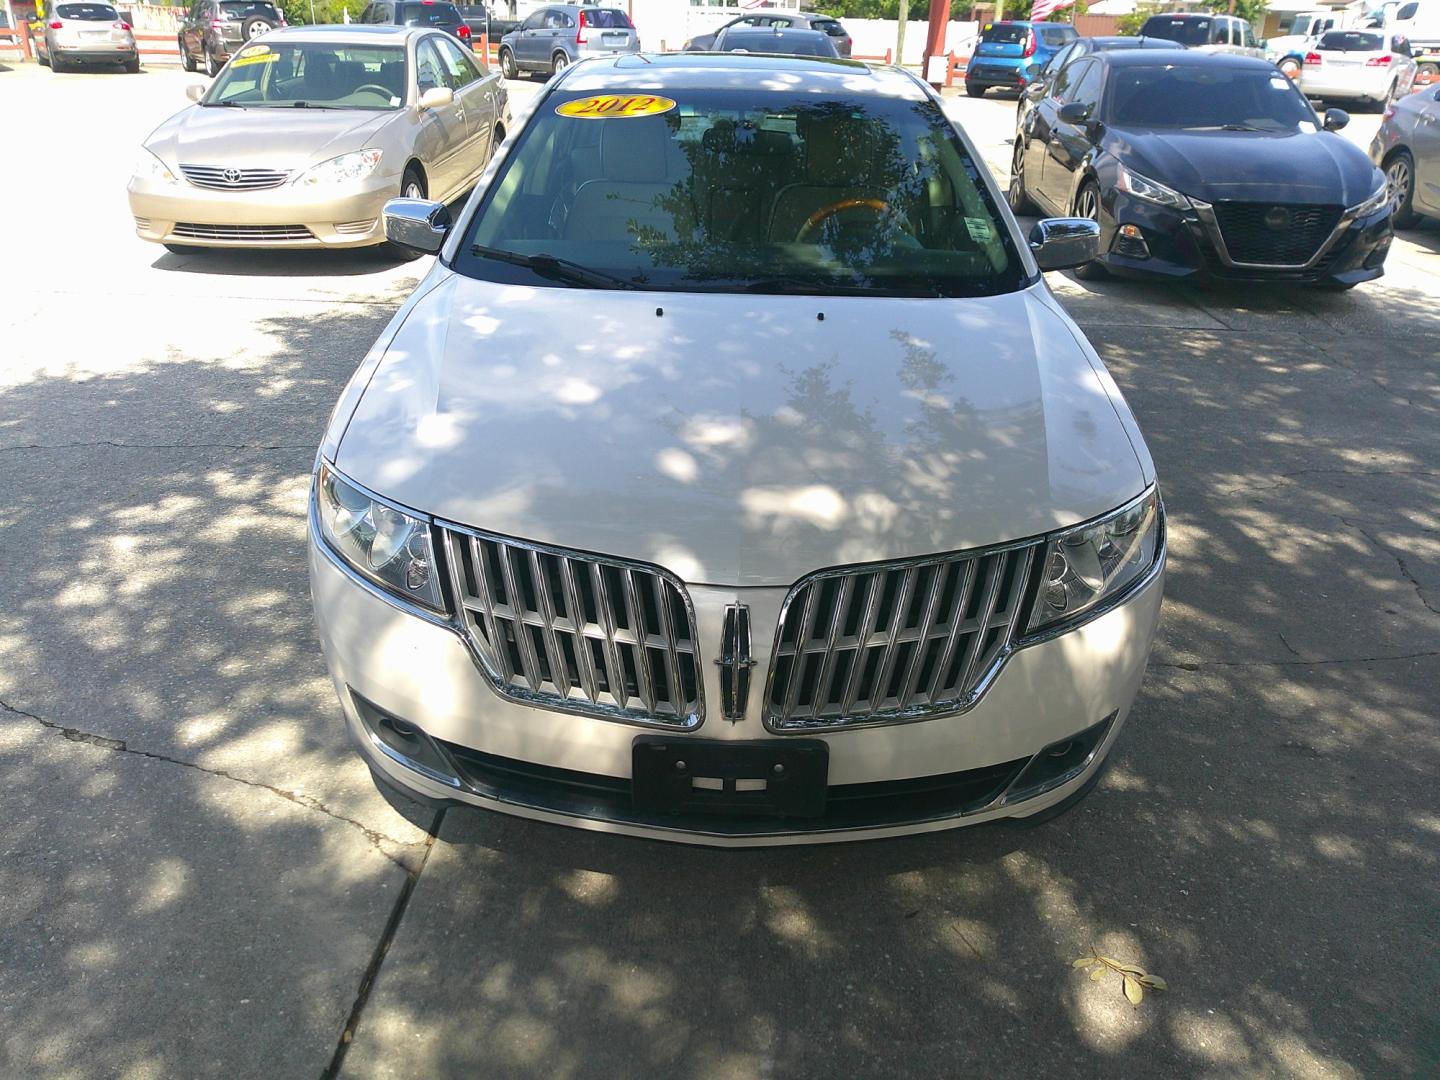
point(580, 632)
point(1275, 234)
point(232, 179)
point(875, 645)
point(253, 233)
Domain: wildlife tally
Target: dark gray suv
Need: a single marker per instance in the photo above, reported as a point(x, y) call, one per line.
point(827, 25)
point(212, 30)
point(554, 37)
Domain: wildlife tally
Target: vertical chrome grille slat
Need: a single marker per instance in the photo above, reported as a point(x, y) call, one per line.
point(536, 617)
point(910, 630)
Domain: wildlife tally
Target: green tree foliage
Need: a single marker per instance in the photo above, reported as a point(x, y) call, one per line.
point(297, 12)
point(887, 9)
point(1129, 25)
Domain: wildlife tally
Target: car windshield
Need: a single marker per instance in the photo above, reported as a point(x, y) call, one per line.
point(1055, 36)
point(1206, 96)
point(778, 43)
point(1350, 41)
point(312, 74)
point(1185, 31)
point(1006, 34)
point(87, 12)
point(758, 191)
point(427, 14)
point(606, 18)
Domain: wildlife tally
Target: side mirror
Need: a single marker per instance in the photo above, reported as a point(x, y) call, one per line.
point(437, 97)
point(1076, 113)
point(195, 92)
point(1064, 243)
point(417, 224)
point(1335, 119)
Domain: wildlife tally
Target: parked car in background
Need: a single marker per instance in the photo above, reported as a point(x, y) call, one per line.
point(830, 638)
point(435, 14)
point(482, 19)
point(776, 40)
point(1287, 51)
point(1370, 67)
point(1407, 148)
point(1205, 32)
point(1203, 166)
point(306, 133)
point(1005, 52)
point(1042, 75)
point(212, 30)
point(553, 37)
point(826, 24)
point(84, 33)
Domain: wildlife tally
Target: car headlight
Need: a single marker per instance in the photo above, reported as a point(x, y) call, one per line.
point(1377, 200)
point(388, 546)
point(150, 167)
point(345, 169)
point(1142, 187)
point(1088, 565)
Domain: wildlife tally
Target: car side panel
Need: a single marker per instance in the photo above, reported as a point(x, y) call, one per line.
point(1425, 149)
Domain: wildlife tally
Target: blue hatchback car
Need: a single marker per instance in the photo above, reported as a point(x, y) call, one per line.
point(1006, 50)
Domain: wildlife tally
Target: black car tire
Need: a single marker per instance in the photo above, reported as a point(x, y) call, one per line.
point(212, 66)
point(187, 62)
point(41, 57)
point(507, 64)
point(558, 63)
point(254, 26)
point(973, 90)
point(57, 63)
point(1018, 198)
point(1426, 71)
point(1290, 68)
point(1400, 174)
point(132, 67)
point(1087, 205)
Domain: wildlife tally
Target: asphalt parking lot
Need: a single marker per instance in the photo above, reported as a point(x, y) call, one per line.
point(197, 877)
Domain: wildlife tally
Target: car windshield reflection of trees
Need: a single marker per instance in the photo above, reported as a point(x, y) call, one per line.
point(821, 197)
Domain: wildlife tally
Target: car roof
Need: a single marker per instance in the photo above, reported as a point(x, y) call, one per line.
point(771, 31)
point(340, 34)
point(742, 72)
point(1117, 41)
point(1192, 15)
point(1182, 58)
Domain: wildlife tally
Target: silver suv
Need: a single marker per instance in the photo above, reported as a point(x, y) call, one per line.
point(552, 38)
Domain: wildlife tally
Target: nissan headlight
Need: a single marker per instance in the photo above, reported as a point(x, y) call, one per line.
point(1376, 201)
point(345, 169)
point(1142, 187)
point(384, 544)
point(150, 167)
point(1086, 566)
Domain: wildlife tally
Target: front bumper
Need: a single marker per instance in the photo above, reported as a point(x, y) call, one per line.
point(344, 217)
point(386, 661)
point(1189, 246)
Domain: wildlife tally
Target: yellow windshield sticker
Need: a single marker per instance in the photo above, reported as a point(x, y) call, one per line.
point(610, 106)
point(254, 58)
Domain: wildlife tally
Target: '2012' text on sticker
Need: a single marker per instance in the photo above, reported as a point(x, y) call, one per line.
point(254, 58)
point(613, 106)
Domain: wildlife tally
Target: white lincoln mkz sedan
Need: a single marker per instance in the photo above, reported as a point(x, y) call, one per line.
point(733, 476)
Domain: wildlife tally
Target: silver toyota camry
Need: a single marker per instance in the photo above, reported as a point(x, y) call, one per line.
point(306, 133)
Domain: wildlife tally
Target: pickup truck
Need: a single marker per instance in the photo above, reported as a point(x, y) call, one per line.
point(482, 19)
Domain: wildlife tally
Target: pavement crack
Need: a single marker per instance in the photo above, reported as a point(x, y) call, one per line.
point(1284, 641)
point(1399, 561)
point(382, 949)
point(377, 839)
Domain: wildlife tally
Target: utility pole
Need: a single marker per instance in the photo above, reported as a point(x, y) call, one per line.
point(904, 14)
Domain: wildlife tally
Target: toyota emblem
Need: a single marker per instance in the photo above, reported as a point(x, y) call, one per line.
point(232, 176)
point(1277, 218)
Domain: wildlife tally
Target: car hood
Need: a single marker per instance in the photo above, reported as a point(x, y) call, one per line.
point(741, 440)
point(1249, 166)
point(273, 138)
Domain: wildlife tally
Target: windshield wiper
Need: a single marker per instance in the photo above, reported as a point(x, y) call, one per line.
point(1223, 127)
point(552, 266)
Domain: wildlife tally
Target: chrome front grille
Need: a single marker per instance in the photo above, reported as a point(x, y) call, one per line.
point(231, 179)
point(580, 632)
point(254, 233)
point(878, 645)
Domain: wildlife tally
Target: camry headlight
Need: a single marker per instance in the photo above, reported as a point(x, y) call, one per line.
point(388, 546)
point(150, 167)
point(1088, 565)
point(345, 169)
point(1377, 199)
point(1144, 188)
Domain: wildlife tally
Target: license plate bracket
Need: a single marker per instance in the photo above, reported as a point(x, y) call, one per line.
point(735, 778)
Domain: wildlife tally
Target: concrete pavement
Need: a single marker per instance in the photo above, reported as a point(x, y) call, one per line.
point(199, 879)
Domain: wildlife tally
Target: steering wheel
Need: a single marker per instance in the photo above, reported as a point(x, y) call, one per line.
point(825, 213)
point(383, 91)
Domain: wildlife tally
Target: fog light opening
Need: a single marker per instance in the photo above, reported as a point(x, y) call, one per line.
point(1130, 241)
point(1058, 763)
point(405, 744)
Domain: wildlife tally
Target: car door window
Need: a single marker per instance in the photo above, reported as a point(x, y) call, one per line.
point(1247, 35)
point(1218, 33)
point(1056, 62)
point(1401, 45)
point(534, 21)
point(429, 71)
point(1060, 91)
point(1085, 85)
point(458, 72)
